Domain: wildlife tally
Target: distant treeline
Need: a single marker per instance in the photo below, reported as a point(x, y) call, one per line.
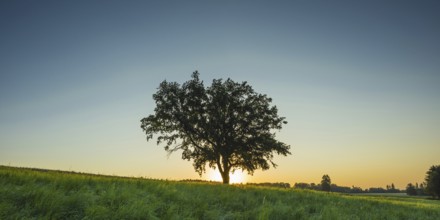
point(200, 181)
point(346, 189)
point(318, 187)
point(416, 189)
point(411, 189)
point(280, 184)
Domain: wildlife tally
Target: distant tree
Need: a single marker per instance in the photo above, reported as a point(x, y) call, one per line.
point(302, 186)
point(391, 189)
point(326, 183)
point(421, 189)
point(356, 189)
point(433, 181)
point(341, 189)
point(279, 185)
point(227, 126)
point(377, 190)
point(411, 190)
point(334, 188)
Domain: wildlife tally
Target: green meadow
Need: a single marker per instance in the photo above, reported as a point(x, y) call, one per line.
point(44, 194)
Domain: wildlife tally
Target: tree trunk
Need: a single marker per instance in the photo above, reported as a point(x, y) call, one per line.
point(224, 169)
point(225, 177)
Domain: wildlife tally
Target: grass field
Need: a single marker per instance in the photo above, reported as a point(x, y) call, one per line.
point(40, 194)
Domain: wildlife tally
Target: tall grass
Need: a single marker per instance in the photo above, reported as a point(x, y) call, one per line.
point(27, 193)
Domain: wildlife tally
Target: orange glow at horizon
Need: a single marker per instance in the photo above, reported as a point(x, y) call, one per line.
point(236, 177)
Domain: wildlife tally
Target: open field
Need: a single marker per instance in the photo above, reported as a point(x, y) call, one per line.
point(382, 194)
point(391, 195)
point(27, 193)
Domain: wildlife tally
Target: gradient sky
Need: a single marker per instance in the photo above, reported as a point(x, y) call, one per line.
point(358, 82)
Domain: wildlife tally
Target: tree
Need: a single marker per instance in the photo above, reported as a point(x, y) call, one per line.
point(420, 188)
point(433, 181)
point(226, 126)
point(326, 183)
point(391, 188)
point(411, 190)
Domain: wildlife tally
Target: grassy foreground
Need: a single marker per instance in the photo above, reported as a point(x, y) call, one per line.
point(27, 193)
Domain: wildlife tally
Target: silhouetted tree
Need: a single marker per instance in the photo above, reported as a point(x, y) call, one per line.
point(433, 181)
point(302, 186)
point(377, 190)
point(226, 126)
point(326, 183)
point(333, 187)
point(411, 190)
point(356, 189)
point(391, 189)
point(421, 190)
point(279, 185)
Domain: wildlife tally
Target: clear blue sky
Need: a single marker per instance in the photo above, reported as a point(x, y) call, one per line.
point(358, 82)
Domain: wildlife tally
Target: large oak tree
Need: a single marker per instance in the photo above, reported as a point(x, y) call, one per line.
point(227, 125)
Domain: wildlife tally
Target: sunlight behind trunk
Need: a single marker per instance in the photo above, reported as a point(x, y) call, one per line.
point(237, 177)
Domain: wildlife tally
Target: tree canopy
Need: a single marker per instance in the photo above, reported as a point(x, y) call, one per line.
point(326, 183)
point(433, 181)
point(226, 126)
point(411, 190)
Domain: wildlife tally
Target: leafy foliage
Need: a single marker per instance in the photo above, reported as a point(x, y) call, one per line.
point(411, 190)
point(433, 181)
point(226, 126)
point(333, 187)
point(326, 183)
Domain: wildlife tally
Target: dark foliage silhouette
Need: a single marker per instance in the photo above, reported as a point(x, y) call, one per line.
point(278, 185)
point(411, 190)
point(227, 126)
point(326, 183)
point(433, 181)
